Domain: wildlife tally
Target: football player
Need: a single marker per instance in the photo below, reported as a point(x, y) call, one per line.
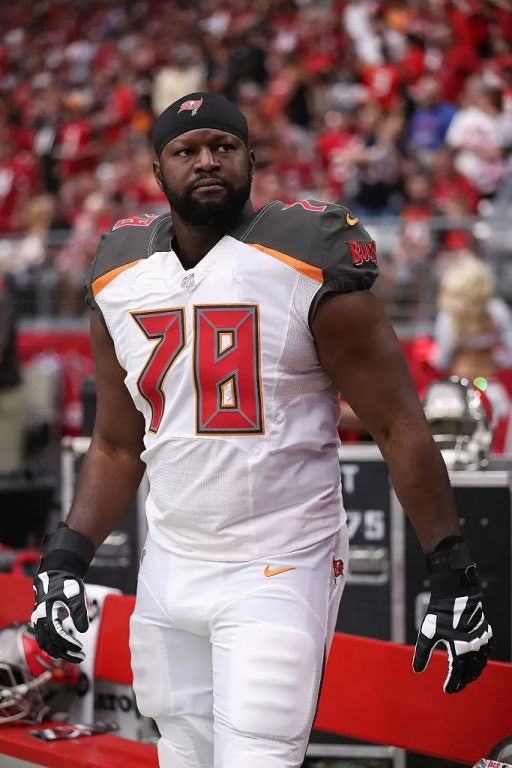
point(222, 338)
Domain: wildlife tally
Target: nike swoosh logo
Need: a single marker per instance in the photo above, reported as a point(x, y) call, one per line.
point(351, 221)
point(268, 571)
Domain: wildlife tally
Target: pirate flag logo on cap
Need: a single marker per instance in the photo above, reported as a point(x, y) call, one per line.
point(192, 105)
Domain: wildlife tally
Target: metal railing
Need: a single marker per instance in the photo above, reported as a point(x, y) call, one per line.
point(46, 274)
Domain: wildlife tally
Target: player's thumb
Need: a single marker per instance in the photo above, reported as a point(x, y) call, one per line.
point(422, 653)
point(78, 611)
point(425, 643)
point(79, 617)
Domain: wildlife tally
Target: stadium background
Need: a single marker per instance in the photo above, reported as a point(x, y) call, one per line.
point(401, 111)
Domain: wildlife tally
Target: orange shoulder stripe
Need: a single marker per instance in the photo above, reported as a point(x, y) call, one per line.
point(105, 279)
point(315, 273)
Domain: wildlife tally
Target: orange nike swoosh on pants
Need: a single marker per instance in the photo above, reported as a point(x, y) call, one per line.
point(268, 571)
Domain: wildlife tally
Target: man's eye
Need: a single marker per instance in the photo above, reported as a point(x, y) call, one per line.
point(184, 152)
point(225, 147)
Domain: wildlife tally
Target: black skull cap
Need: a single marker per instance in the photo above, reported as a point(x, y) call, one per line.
point(198, 110)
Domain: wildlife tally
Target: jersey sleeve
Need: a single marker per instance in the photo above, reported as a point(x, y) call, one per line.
point(129, 240)
point(349, 254)
point(321, 235)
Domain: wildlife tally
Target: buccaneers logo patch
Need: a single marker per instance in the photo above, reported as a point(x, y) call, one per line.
point(192, 105)
point(363, 252)
point(135, 221)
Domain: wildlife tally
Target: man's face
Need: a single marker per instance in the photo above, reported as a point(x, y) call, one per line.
point(206, 175)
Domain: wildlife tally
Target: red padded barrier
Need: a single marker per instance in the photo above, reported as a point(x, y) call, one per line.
point(370, 692)
point(16, 598)
point(112, 660)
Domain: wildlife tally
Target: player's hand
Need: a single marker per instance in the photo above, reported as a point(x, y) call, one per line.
point(60, 609)
point(60, 595)
point(454, 617)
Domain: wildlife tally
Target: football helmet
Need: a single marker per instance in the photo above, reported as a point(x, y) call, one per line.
point(33, 686)
point(460, 418)
point(500, 755)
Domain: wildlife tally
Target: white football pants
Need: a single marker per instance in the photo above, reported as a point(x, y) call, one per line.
point(227, 657)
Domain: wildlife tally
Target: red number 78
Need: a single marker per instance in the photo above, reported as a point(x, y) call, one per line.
point(226, 365)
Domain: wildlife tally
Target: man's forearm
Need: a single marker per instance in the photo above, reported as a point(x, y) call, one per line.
point(421, 482)
point(107, 483)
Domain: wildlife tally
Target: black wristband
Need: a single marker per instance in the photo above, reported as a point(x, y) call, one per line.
point(451, 568)
point(448, 542)
point(67, 550)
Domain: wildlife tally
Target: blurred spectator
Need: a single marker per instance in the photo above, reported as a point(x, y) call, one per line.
point(119, 101)
point(181, 74)
point(12, 407)
point(476, 133)
point(288, 92)
point(473, 329)
point(248, 60)
point(455, 237)
point(293, 161)
point(412, 254)
point(430, 118)
point(46, 120)
point(78, 146)
point(219, 69)
point(450, 57)
point(73, 259)
point(448, 184)
point(377, 162)
point(383, 81)
point(17, 182)
point(38, 219)
point(337, 140)
point(473, 335)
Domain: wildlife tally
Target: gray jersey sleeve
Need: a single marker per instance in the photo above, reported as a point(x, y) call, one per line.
point(129, 240)
point(349, 255)
point(320, 234)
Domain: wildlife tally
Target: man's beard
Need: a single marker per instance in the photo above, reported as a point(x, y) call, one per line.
point(219, 214)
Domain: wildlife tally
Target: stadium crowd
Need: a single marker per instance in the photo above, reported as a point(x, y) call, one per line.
point(397, 109)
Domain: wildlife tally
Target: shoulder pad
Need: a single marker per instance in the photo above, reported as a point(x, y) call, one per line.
point(129, 240)
point(321, 234)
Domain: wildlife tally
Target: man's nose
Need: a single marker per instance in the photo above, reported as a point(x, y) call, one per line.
point(206, 160)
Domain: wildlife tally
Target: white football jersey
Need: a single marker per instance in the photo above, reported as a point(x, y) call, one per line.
point(241, 443)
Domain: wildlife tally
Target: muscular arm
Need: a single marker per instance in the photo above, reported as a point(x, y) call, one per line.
point(358, 348)
point(112, 469)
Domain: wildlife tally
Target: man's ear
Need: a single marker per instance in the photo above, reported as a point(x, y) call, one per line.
point(157, 173)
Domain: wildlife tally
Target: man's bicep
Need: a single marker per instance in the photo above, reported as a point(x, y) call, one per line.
point(358, 348)
point(118, 423)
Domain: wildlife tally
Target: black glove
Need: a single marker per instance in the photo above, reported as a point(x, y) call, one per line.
point(60, 593)
point(454, 616)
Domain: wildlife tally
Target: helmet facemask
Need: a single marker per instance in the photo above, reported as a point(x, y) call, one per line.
point(460, 423)
point(20, 697)
point(33, 685)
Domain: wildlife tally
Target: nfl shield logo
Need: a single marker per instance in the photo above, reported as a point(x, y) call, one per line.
point(188, 281)
point(192, 105)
